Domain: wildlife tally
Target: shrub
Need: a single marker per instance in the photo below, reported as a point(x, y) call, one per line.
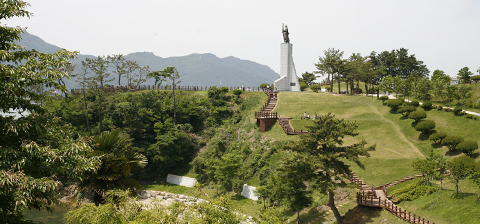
point(264, 85)
point(471, 116)
point(427, 105)
point(451, 141)
point(437, 137)
point(439, 107)
point(414, 103)
point(237, 92)
point(425, 126)
point(406, 110)
point(394, 104)
point(328, 88)
point(417, 115)
point(383, 98)
point(303, 86)
point(224, 89)
point(315, 88)
point(413, 191)
point(457, 111)
point(467, 147)
point(447, 109)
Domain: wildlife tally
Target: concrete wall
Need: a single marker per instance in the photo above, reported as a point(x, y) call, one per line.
point(181, 180)
point(248, 192)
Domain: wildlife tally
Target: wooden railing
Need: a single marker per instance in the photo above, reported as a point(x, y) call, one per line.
point(266, 114)
point(368, 199)
point(167, 87)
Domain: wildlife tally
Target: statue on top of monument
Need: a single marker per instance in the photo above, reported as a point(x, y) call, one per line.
point(285, 34)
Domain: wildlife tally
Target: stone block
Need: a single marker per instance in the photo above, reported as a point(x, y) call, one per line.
point(181, 180)
point(248, 192)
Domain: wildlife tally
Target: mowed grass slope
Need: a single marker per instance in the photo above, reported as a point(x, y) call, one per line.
point(398, 145)
point(395, 152)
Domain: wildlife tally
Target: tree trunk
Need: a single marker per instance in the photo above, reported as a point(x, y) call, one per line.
point(298, 215)
point(338, 81)
point(331, 204)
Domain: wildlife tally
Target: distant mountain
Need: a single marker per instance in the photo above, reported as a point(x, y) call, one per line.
point(195, 69)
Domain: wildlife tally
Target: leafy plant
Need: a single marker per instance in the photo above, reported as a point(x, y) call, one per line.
point(438, 137)
point(425, 126)
point(417, 115)
point(451, 141)
point(467, 147)
point(394, 104)
point(413, 191)
point(414, 103)
point(406, 110)
point(427, 105)
point(383, 99)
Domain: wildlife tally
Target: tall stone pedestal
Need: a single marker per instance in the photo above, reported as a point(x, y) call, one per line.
point(288, 80)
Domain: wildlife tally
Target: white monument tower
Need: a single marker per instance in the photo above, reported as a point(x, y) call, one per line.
point(288, 80)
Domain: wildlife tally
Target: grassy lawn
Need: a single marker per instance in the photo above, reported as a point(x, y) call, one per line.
point(398, 145)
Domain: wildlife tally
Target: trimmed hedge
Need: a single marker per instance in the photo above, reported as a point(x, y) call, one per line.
point(383, 99)
point(414, 103)
point(467, 147)
point(417, 115)
point(427, 105)
point(457, 111)
point(425, 126)
point(406, 110)
point(315, 88)
point(451, 141)
point(394, 104)
point(437, 137)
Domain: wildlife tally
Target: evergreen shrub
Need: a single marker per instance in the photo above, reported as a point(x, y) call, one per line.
point(467, 147)
point(383, 99)
point(457, 111)
point(406, 110)
point(427, 105)
point(394, 104)
point(414, 103)
point(413, 191)
point(437, 137)
point(315, 88)
point(451, 141)
point(417, 115)
point(425, 126)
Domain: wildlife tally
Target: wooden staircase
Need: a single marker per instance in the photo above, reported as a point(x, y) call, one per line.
point(265, 115)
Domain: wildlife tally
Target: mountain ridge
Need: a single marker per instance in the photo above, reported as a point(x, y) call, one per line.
point(195, 69)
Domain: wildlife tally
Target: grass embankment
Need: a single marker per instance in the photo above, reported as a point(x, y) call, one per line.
point(398, 145)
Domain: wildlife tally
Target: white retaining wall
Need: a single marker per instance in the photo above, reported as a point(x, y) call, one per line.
point(248, 192)
point(181, 180)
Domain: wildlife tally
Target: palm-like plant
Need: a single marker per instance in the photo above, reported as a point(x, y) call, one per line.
point(118, 159)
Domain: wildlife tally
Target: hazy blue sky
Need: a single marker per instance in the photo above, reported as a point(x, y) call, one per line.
point(445, 34)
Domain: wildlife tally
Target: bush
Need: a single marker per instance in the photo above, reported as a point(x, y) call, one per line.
point(224, 89)
point(457, 111)
point(467, 147)
point(413, 191)
point(417, 115)
point(315, 88)
point(383, 98)
point(303, 86)
point(406, 110)
point(394, 104)
point(439, 107)
point(264, 85)
point(471, 116)
point(425, 126)
point(447, 109)
point(427, 105)
point(328, 88)
point(414, 103)
point(237, 92)
point(437, 137)
point(451, 141)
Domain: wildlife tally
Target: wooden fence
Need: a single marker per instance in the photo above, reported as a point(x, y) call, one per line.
point(111, 88)
point(266, 114)
point(368, 199)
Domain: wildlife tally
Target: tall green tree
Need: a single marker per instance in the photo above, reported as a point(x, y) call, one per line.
point(399, 63)
point(118, 62)
point(35, 151)
point(465, 74)
point(308, 78)
point(459, 169)
point(325, 146)
point(330, 65)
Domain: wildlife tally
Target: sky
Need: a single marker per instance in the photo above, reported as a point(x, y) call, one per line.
point(444, 34)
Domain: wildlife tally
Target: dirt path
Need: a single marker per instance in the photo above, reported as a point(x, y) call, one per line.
point(397, 130)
